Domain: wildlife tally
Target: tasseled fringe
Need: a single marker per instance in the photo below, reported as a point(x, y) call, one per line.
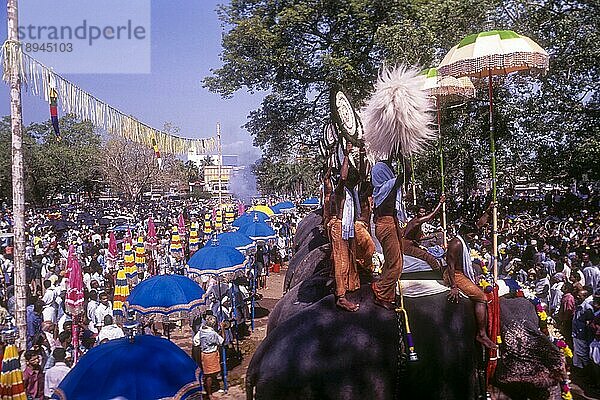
point(39, 79)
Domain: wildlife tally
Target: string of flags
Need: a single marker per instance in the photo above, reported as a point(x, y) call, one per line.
point(43, 82)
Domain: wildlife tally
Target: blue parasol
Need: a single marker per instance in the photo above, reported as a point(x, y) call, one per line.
point(214, 259)
point(125, 227)
point(250, 217)
point(258, 231)
point(283, 206)
point(144, 367)
point(166, 294)
point(310, 202)
point(235, 239)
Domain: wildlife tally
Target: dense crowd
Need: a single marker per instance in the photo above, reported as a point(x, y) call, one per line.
point(554, 255)
point(49, 232)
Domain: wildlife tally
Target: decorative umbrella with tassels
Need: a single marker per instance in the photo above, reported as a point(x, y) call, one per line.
point(121, 293)
point(166, 297)
point(112, 252)
point(265, 209)
point(258, 231)
point(175, 246)
point(194, 241)
point(249, 218)
point(151, 242)
point(485, 54)
point(140, 255)
point(214, 259)
point(129, 264)
point(136, 367)
point(11, 379)
point(207, 230)
point(445, 89)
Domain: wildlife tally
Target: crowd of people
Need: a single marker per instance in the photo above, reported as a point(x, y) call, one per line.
point(554, 255)
point(50, 348)
point(551, 249)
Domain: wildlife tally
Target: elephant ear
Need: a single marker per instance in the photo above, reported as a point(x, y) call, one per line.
point(530, 362)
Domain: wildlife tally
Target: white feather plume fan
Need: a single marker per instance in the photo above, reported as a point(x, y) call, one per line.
point(397, 118)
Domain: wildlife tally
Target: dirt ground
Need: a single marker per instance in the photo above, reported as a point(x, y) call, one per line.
point(183, 337)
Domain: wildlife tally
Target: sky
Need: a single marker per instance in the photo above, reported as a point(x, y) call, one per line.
point(185, 42)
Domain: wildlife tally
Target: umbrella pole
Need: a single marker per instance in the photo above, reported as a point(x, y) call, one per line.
point(253, 297)
point(412, 178)
point(235, 314)
point(75, 338)
point(439, 121)
point(495, 207)
point(225, 387)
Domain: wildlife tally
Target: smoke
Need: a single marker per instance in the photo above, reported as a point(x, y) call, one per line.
point(243, 184)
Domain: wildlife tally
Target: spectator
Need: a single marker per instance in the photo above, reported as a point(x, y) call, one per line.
point(33, 377)
point(57, 373)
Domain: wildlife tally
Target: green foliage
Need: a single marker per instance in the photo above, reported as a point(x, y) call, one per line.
point(52, 166)
point(298, 178)
point(547, 128)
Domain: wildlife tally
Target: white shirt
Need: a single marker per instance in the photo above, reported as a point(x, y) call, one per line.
point(54, 377)
point(101, 312)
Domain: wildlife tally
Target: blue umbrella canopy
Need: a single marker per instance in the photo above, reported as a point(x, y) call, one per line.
point(147, 367)
point(284, 206)
point(258, 231)
point(249, 217)
point(311, 201)
point(165, 294)
point(235, 239)
point(125, 227)
point(215, 259)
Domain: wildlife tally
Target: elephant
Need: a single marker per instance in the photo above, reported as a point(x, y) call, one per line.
point(310, 221)
point(314, 240)
point(315, 351)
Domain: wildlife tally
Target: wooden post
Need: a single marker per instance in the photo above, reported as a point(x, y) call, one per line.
point(18, 191)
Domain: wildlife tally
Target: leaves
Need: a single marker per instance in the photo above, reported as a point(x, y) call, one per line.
point(547, 128)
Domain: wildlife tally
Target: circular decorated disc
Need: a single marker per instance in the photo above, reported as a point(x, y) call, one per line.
point(345, 113)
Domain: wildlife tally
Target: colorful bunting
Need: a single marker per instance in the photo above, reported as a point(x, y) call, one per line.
point(38, 78)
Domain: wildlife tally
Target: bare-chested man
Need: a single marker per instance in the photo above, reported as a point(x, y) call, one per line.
point(461, 276)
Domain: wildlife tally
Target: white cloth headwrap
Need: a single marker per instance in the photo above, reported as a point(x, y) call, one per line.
point(466, 260)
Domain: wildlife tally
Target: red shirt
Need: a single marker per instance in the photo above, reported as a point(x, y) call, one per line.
point(33, 380)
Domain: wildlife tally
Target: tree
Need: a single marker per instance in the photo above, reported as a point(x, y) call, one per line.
point(547, 128)
point(53, 166)
point(299, 50)
point(70, 164)
point(131, 168)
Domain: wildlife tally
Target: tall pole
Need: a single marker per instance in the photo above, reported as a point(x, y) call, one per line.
point(220, 162)
point(495, 206)
point(439, 121)
point(412, 178)
point(16, 119)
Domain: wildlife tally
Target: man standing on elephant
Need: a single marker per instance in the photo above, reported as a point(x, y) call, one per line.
point(344, 205)
point(390, 220)
point(461, 276)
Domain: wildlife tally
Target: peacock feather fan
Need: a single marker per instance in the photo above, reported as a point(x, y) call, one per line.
point(397, 117)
